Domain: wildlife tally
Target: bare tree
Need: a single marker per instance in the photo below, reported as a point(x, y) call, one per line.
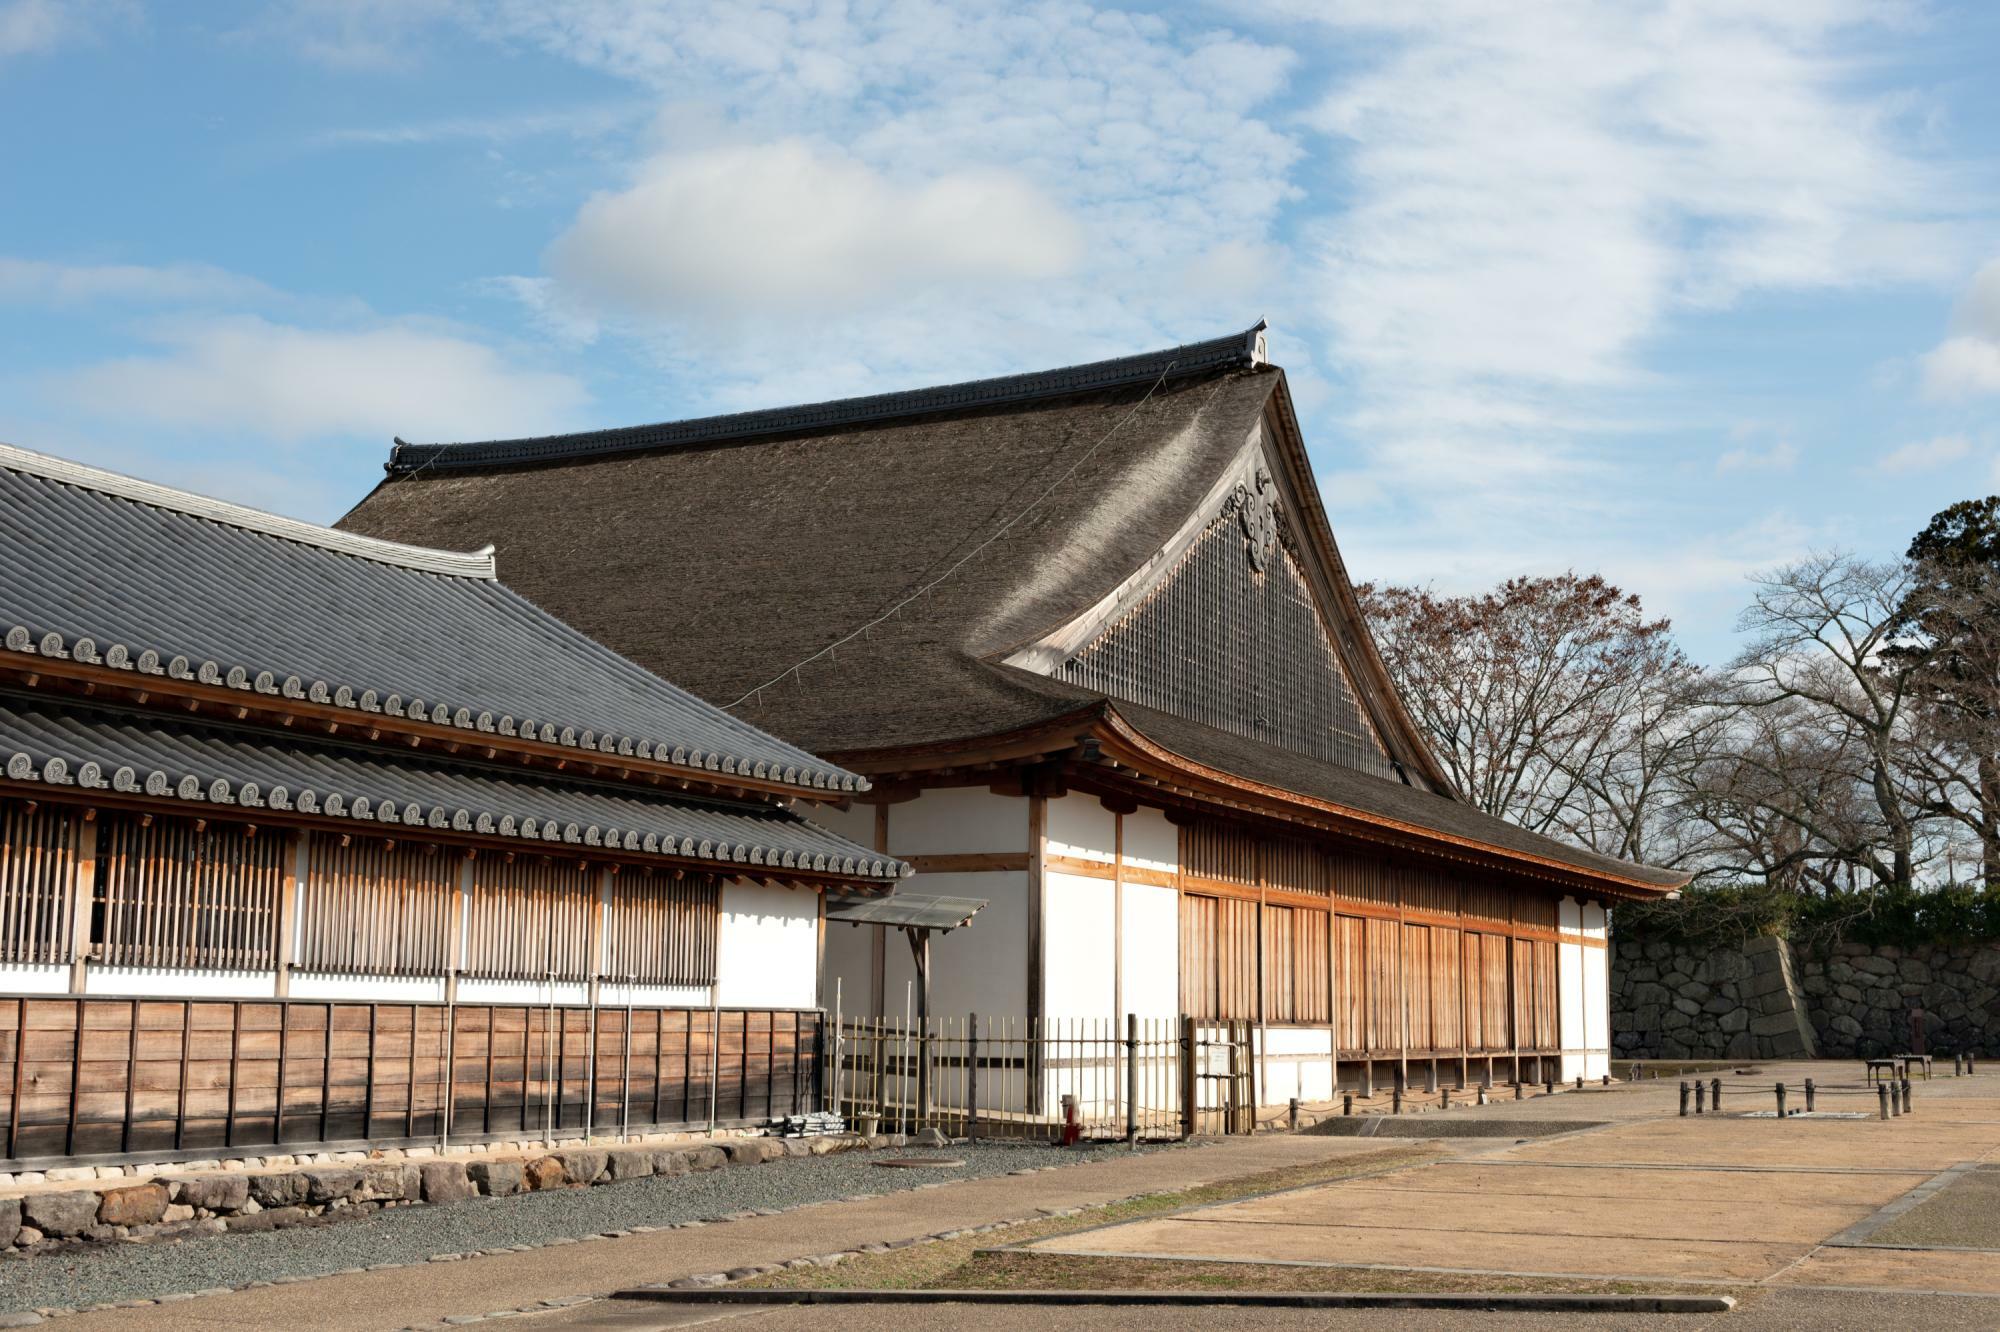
point(1830, 752)
point(1553, 702)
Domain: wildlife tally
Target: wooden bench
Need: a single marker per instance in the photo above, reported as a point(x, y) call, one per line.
point(1920, 1060)
point(1876, 1067)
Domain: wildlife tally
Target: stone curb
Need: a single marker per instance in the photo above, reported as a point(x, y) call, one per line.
point(1267, 1299)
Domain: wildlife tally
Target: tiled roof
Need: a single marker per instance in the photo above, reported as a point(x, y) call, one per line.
point(105, 570)
point(1236, 349)
point(237, 769)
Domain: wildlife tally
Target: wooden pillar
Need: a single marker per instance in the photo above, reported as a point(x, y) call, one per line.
point(1038, 817)
point(454, 938)
point(82, 895)
point(878, 943)
point(290, 886)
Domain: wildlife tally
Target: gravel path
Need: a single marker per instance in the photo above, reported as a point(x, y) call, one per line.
point(118, 1272)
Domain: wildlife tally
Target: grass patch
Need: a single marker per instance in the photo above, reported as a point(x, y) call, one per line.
point(943, 1263)
point(1060, 1271)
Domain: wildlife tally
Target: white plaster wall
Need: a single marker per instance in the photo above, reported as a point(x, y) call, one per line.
point(180, 982)
point(1151, 842)
point(850, 962)
point(1570, 987)
point(767, 953)
point(1152, 950)
point(956, 820)
point(980, 969)
point(856, 823)
point(29, 978)
point(1079, 826)
point(611, 994)
point(1077, 933)
point(376, 989)
point(481, 991)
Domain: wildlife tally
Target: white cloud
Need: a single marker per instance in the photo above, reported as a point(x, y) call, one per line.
point(788, 228)
point(1921, 455)
point(1967, 363)
point(579, 122)
point(1539, 188)
point(942, 190)
point(40, 282)
point(35, 27)
point(1780, 455)
point(289, 383)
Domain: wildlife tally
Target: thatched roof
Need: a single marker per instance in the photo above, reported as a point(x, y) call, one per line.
point(721, 553)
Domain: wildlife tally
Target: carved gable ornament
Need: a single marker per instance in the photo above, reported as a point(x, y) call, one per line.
point(1256, 509)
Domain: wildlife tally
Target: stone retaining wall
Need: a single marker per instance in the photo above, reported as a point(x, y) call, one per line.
point(1770, 999)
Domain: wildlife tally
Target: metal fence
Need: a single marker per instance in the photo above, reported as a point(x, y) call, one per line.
point(1145, 1079)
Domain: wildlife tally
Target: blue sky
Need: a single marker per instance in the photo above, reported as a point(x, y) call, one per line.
point(1674, 291)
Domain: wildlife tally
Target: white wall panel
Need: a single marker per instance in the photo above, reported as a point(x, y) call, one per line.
point(31, 978)
point(1152, 950)
point(375, 989)
point(487, 991)
point(180, 982)
point(767, 953)
point(1079, 826)
point(1151, 842)
point(982, 968)
point(1077, 932)
point(957, 820)
point(1569, 987)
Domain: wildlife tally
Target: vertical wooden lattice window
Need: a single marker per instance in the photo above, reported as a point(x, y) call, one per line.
point(173, 895)
point(662, 930)
point(1236, 647)
point(372, 909)
point(1417, 987)
point(529, 919)
point(38, 859)
point(1219, 956)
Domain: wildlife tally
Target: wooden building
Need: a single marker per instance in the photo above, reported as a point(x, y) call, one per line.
point(1124, 695)
point(307, 837)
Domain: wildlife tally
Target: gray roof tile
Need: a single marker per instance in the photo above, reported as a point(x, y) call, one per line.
point(107, 570)
point(240, 769)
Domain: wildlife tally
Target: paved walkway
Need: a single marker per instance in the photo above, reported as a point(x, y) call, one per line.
point(370, 1301)
point(1627, 1188)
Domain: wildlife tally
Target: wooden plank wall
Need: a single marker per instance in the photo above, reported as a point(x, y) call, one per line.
point(1396, 958)
point(103, 1077)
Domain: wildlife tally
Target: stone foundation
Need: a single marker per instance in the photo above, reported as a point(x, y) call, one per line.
point(278, 1193)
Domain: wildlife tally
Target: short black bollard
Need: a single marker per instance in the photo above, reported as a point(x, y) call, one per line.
point(1882, 1097)
point(1548, 1087)
point(1519, 1091)
point(1347, 1104)
point(1396, 1101)
point(1444, 1099)
point(1715, 1095)
point(1700, 1096)
point(1781, 1100)
point(1431, 1078)
point(1684, 1100)
point(1607, 1079)
point(1292, 1115)
point(1579, 1082)
point(1639, 1072)
point(1969, 1069)
point(1906, 1096)
point(1809, 1095)
point(1958, 1064)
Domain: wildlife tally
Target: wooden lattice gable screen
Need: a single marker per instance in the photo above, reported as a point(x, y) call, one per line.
point(662, 930)
point(375, 907)
point(1225, 629)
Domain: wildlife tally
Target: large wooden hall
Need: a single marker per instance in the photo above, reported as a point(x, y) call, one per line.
point(1090, 635)
point(309, 838)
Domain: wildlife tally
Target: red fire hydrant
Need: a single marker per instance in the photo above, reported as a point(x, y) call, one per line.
point(1072, 1132)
